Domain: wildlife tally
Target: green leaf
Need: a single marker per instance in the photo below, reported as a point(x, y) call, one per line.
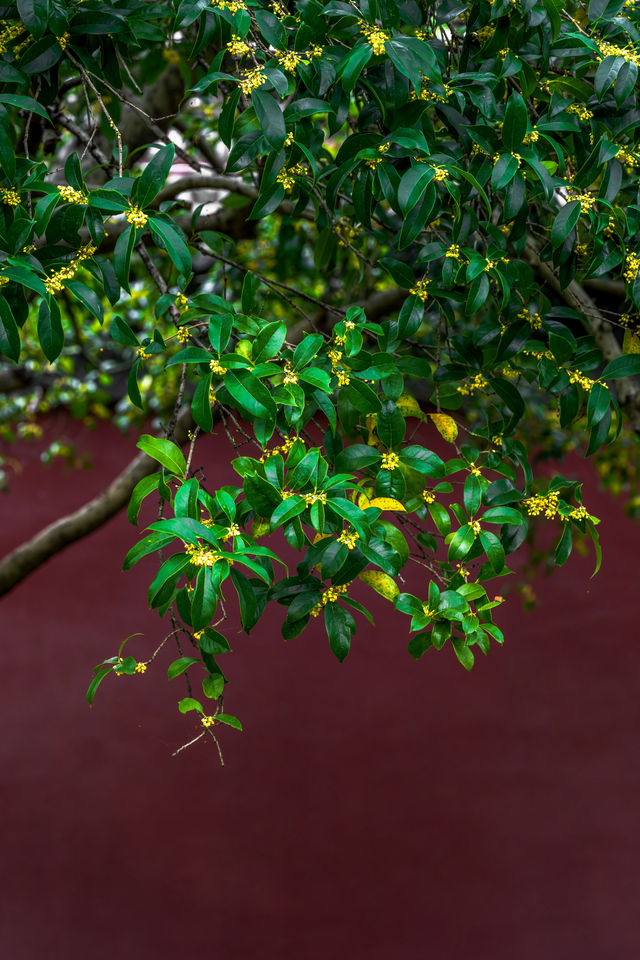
point(564, 223)
point(173, 242)
point(188, 703)
point(424, 461)
point(336, 621)
point(150, 544)
point(306, 350)
point(251, 395)
point(270, 118)
point(153, 177)
point(179, 666)
point(24, 103)
point(133, 389)
point(463, 653)
point(141, 490)
point(50, 332)
point(625, 366)
point(563, 549)
point(9, 332)
point(461, 543)
point(201, 404)
point(502, 515)
point(34, 14)
point(87, 297)
point(514, 127)
point(95, 683)
point(165, 452)
point(213, 686)
point(229, 720)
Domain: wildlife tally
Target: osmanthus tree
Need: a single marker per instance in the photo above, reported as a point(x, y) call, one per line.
point(345, 218)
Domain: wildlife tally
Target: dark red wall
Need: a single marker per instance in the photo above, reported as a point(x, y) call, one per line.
point(377, 809)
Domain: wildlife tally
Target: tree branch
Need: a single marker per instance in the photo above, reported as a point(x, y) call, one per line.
point(66, 530)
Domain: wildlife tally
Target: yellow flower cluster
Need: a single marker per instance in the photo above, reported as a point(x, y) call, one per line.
point(335, 356)
point(55, 283)
point(9, 33)
point(375, 37)
point(140, 667)
point(10, 196)
point(290, 59)
point(453, 253)
point(283, 449)
point(182, 302)
point(542, 503)
point(231, 5)
point(201, 556)
point(531, 137)
point(428, 612)
point(349, 325)
point(439, 174)
point(286, 176)
point(290, 376)
point(534, 319)
point(390, 461)
point(611, 50)
point(136, 217)
point(72, 196)
point(586, 200)
point(428, 496)
point(216, 367)
point(329, 596)
point(474, 471)
point(208, 721)
point(582, 381)
point(237, 47)
point(142, 353)
point(347, 232)
point(233, 530)
point(252, 79)
point(421, 289)
point(626, 156)
point(477, 383)
point(631, 267)
point(382, 149)
point(289, 141)
point(311, 498)
point(583, 113)
point(63, 40)
point(485, 33)
point(475, 526)
point(343, 378)
point(349, 538)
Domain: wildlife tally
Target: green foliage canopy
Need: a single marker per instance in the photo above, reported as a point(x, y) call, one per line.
point(438, 180)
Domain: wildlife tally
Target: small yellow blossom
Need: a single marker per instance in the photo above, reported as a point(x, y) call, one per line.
point(343, 378)
point(208, 721)
point(349, 538)
point(631, 267)
point(232, 531)
point(583, 113)
point(453, 253)
point(311, 498)
point(290, 376)
point(290, 59)
point(284, 177)
point(140, 667)
point(72, 196)
point(375, 37)
point(477, 383)
point(475, 526)
point(216, 367)
point(10, 196)
point(542, 503)
point(136, 217)
point(142, 353)
point(237, 47)
point(421, 289)
point(439, 174)
point(531, 137)
point(428, 496)
point(586, 200)
point(252, 79)
point(182, 302)
point(390, 461)
point(202, 556)
point(329, 596)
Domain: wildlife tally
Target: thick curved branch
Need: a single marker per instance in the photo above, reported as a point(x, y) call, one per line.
point(66, 530)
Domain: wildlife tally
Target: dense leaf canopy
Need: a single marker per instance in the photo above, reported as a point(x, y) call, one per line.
point(327, 225)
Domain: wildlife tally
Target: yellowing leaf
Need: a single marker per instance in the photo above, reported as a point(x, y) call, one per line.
point(445, 425)
point(363, 499)
point(631, 342)
point(409, 406)
point(320, 536)
point(386, 503)
point(260, 527)
point(381, 583)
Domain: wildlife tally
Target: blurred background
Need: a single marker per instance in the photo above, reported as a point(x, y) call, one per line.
point(378, 808)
